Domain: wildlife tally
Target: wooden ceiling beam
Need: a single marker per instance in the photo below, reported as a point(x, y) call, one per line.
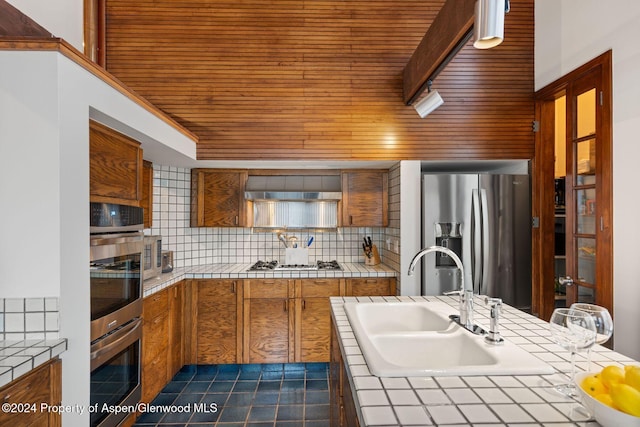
point(449, 28)
point(14, 23)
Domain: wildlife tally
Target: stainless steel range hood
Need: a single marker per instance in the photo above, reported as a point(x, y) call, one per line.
point(294, 201)
point(293, 188)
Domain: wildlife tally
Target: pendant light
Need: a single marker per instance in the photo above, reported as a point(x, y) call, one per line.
point(488, 27)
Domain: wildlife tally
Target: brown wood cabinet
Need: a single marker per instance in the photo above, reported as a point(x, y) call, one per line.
point(342, 409)
point(175, 350)
point(42, 385)
point(269, 316)
point(147, 193)
point(115, 162)
point(313, 318)
point(217, 198)
point(365, 198)
point(163, 345)
point(266, 320)
point(371, 286)
point(155, 343)
point(218, 324)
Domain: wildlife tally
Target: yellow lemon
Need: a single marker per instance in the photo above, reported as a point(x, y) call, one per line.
point(605, 398)
point(593, 385)
point(611, 375)
point(626, 399)
point(632, 376)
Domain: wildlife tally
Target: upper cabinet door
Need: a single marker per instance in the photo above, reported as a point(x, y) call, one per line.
point(115, 166)
point(217, 198)
point(365, 199)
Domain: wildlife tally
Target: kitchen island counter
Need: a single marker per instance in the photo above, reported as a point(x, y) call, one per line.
point(467, 400)
point(239, 271)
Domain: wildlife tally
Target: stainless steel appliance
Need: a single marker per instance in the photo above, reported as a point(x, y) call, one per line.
point(167, 261)
point(152, 259)
point(116, 272)
point(486, 220)
point(115, 373)
point(275, 266)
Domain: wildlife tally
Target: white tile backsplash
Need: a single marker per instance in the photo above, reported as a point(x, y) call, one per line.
point(202, 245)
point(29, 318)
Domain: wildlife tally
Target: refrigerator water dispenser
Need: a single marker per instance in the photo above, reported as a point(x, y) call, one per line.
point(448, 235)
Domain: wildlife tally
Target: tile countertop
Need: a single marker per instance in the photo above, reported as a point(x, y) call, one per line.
point(239, 271)
point(19, 357)
point(469, 400)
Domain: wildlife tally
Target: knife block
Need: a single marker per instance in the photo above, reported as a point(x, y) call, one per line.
point(375, 257)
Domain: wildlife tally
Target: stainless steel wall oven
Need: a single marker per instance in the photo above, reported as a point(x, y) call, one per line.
point(116, 275)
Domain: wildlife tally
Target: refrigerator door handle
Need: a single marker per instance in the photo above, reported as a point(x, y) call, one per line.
point(476, 241)
point(485, 240)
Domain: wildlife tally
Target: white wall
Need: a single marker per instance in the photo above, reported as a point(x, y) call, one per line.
point(410, 224)
point(569, 33)
point(46, 101)
point(29, 254)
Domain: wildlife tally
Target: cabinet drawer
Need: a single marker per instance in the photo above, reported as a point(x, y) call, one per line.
point(156, 304)
point(371, 287)
point(267, 288)
point(320, 288)
point(34, 388)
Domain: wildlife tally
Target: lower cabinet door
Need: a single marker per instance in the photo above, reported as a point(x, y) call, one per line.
point(217, 323)
point(315, 329)
point(267, 326)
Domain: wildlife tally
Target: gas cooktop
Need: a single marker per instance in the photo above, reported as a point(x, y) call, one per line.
point(274, 266)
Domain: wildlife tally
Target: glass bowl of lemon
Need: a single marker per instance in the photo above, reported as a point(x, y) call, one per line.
point(612, 395)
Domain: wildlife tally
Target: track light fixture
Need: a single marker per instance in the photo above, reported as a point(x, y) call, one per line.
point(430, 102)
point(488, 27)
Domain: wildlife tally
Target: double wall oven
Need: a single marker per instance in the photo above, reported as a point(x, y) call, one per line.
point(116, 272)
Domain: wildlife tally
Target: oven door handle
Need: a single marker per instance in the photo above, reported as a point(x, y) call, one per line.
point(107, 347)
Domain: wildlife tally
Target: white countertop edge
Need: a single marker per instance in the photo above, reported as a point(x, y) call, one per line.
point(28, 355)
point(239, 271)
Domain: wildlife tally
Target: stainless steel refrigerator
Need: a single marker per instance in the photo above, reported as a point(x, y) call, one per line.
point(486, 220)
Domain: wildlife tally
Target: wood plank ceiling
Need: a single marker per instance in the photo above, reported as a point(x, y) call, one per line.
point(321, 79)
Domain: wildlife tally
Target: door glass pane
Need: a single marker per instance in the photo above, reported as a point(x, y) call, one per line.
point(560, 136)
point(586, 209)
point(586, 113)
point(587, 295)
point(587, 260)
point(586, 158)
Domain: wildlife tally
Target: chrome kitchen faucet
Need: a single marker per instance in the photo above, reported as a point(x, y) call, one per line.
point(465, 319)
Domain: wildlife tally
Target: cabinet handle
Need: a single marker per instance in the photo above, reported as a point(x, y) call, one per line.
point(304, 304)
point(285, 305)
point(236, 220)
point(350, 219)
point(233, 287)
point(269, 282)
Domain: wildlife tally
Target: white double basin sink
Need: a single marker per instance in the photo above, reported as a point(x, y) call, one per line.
point(408, 339)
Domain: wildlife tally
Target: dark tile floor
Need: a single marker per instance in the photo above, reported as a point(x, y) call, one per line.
point(274, 395)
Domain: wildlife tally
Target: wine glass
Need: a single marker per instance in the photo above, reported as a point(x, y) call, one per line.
point(604, 324)
point(575, 331)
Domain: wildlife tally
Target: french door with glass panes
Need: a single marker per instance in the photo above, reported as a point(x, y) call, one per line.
point(575, 115)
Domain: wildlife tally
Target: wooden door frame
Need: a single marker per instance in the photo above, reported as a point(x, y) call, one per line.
point(543, 190)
